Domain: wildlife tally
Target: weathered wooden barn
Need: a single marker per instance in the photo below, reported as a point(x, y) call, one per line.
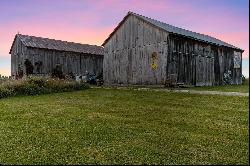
point(143, 51)
point(45, 54)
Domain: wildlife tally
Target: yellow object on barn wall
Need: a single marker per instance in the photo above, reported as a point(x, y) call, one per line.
point(153, 61)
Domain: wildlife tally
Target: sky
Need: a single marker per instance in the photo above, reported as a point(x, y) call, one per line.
point(91, 21)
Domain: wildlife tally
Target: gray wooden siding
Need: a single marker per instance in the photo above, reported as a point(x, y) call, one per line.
point(200, 64)
point(17, 56)
point(77, 63)
point(128, 54)
point(191, 61)
point(127, 58)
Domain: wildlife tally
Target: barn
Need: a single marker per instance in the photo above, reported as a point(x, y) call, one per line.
point(145, 51)
point(46, 54)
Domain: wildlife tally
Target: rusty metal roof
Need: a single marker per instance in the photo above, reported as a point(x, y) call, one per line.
point(52, 44)
point(175, 30)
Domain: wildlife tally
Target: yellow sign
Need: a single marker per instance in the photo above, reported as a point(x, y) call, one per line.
point(153, 65)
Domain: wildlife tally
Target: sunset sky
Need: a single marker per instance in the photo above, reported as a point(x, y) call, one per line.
point(91, 21)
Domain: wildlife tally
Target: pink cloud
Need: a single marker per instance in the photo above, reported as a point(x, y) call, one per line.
point(62, 31)
point(92, 21)
point(238, 39)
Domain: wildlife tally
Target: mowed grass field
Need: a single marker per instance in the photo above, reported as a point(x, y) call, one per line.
point(244, 88)
point(119, 126)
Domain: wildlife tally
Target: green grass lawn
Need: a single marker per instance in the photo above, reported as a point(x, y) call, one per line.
point(244, 88)
point(224, 88)
point(119, 126)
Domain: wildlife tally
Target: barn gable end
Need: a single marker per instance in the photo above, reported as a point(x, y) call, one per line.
point(128, 54)
point(18, 52)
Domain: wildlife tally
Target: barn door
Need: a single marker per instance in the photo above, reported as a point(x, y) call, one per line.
point(204, 71)
point(217, 72)
point(171, 68)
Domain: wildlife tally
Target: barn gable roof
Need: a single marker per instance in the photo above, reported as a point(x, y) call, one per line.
point(174, 30)
point(52, 44)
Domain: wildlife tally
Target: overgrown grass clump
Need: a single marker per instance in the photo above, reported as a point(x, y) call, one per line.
point(245, 81)
point(37, 86)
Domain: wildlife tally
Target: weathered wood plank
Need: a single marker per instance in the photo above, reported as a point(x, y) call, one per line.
point(128, 58)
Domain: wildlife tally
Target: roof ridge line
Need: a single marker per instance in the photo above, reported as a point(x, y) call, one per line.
point(161, 22)
point(202, 34)
point(55, 44)
point(57, 40)
point(171, 25)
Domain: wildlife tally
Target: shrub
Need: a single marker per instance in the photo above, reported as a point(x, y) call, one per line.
point(5, 92)
point(57, 72)
point(245, 81)
point(37, 85)
point(36, 81)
